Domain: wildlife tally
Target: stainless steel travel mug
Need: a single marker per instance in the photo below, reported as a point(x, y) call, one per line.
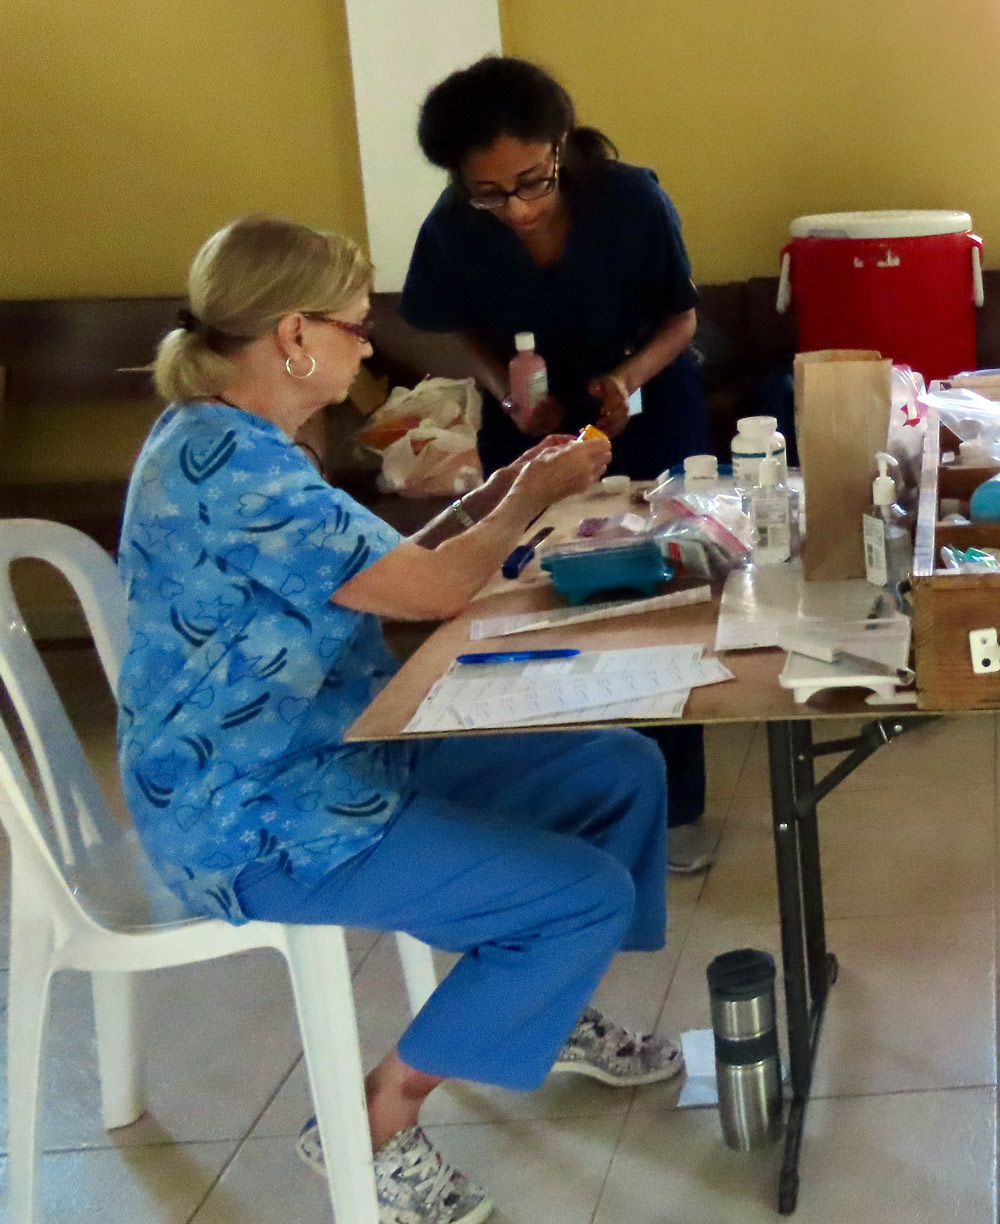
point(748, 1070)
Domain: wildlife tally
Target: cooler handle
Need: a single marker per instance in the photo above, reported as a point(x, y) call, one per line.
point(785, 281)
point(977, 269)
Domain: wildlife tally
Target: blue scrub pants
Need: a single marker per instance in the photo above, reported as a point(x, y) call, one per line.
point(683, 750)
point(538, 857)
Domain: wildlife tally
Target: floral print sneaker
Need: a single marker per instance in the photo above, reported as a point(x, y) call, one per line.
point(613, 1055)
point(415, 1184)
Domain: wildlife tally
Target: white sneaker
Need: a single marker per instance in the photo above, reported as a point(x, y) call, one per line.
point(415, 1183)
point(611, 1054)
point(691, 847)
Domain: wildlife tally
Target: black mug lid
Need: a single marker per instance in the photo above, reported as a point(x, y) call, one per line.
point(742, 974)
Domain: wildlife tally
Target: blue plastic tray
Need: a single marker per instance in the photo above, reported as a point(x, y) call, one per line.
point(636, 567)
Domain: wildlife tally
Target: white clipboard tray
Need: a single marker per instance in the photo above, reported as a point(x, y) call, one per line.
point(885, 641)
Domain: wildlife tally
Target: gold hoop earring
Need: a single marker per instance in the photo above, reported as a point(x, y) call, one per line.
point(308, 374)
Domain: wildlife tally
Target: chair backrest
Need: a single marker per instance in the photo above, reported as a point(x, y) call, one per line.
point(95, 861)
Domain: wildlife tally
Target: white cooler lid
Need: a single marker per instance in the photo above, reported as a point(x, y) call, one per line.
point(890, 223)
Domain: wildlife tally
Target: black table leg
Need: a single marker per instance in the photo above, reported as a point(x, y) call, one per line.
point(803, 938)
point(810, 970)
point(821, 966)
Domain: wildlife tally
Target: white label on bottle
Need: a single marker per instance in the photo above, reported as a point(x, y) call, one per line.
point(773, 532)
point(746, 467)
point(538, 387)
point(876, 570)
point(635, 403)
point(746, 470)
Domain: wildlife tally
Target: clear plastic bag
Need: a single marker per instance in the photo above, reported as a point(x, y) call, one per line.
point(972, 417)
point(969, 560)
point(427, 438)
point(705, 534)
point(722, 510)
point(907, 429)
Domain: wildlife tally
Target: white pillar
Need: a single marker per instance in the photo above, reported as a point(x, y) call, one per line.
point(399, 49)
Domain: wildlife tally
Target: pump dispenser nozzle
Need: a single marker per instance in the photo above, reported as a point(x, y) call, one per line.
point(770, 469)
point(883, 486)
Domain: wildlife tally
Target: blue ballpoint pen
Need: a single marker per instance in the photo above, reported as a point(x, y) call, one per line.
point(516, 656)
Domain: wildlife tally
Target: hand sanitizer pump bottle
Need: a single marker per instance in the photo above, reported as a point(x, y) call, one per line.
point(888, 546)
point(771, 513)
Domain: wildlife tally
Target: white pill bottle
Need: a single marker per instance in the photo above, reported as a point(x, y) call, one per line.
point(754, 436)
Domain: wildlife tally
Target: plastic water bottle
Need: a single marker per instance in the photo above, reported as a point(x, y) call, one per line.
point(529, 378)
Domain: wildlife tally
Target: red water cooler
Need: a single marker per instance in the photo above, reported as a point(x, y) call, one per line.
point(905, 283)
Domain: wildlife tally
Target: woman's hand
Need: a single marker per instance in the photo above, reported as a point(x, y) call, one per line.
point(610, 389)
point(557, 471)
point(500, 481)
point(547, 443)
point(544, 418)
point(421, 583)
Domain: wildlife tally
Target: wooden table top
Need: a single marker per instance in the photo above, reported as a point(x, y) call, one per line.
point(753, 696)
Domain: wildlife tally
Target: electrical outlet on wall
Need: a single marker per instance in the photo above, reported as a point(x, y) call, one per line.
point(985, 651)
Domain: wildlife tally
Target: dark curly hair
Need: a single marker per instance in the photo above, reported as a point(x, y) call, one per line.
point(503, 96)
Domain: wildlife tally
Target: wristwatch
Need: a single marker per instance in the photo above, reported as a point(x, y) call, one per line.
point(460, 512)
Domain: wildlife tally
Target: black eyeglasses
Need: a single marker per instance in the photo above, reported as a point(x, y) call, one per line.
point(496, 198)
point(362, 331)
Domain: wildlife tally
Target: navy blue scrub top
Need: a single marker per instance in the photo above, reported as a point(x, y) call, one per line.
point(621, 275)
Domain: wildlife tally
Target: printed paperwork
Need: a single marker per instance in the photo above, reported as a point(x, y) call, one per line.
point(525, 622)
point(700, 1087)
point(593, 686)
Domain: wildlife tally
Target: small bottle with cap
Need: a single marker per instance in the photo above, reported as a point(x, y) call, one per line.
point(771, 512)
point(700, 472)
point(748, 450)
point(888, 545)
point(529, 379)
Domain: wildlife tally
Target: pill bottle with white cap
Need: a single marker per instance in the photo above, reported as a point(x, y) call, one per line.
point(701, 472)
point(750, 448)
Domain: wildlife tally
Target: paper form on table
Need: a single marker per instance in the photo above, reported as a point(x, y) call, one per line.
point(659, 706)
point(519, 693)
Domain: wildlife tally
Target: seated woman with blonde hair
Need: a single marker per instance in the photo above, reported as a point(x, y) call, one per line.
point(254, 591)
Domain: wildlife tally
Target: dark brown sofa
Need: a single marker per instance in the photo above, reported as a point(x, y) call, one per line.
point(71, 370)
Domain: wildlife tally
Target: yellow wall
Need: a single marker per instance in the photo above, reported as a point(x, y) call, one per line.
point(131, 129)
point(757, 111)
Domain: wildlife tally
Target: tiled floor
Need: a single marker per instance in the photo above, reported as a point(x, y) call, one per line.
point(904, 1121)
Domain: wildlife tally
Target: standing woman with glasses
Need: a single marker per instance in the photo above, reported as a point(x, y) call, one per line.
point(542, 229)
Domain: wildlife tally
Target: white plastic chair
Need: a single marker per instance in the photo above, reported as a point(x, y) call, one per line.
point(84, 896)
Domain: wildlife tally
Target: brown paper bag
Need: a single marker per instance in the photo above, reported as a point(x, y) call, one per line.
point(842, 399)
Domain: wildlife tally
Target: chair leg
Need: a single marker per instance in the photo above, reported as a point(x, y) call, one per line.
point(118, 1025)
point(419, 974)
point(31, 945)
point(321, 982)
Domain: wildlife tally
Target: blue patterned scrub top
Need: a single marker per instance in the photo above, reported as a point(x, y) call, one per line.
point(242, 676)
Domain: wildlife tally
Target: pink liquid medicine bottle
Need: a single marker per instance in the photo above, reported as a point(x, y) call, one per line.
point(529, 379)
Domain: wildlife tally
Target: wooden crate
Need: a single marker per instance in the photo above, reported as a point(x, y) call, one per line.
point(947, 605)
